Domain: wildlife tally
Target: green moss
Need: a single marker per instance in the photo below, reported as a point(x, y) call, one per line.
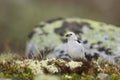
point(115, 77)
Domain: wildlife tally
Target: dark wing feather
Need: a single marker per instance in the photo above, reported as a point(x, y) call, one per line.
point(79, 41)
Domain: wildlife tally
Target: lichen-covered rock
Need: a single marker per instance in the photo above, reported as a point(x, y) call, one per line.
point(90, 30)
point(99, 39)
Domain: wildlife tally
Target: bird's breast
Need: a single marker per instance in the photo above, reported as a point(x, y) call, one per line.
point(75, 50)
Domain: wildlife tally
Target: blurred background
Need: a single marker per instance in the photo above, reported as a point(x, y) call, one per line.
point(18, 17)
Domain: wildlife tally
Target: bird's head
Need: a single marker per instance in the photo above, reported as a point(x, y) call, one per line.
point(71, 36)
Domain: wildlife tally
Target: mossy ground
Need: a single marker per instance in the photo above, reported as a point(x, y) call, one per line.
point(24, 69)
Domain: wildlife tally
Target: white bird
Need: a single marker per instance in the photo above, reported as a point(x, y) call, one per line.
point(74, 47)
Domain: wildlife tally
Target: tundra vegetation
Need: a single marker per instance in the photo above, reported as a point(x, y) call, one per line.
point(105, 38)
